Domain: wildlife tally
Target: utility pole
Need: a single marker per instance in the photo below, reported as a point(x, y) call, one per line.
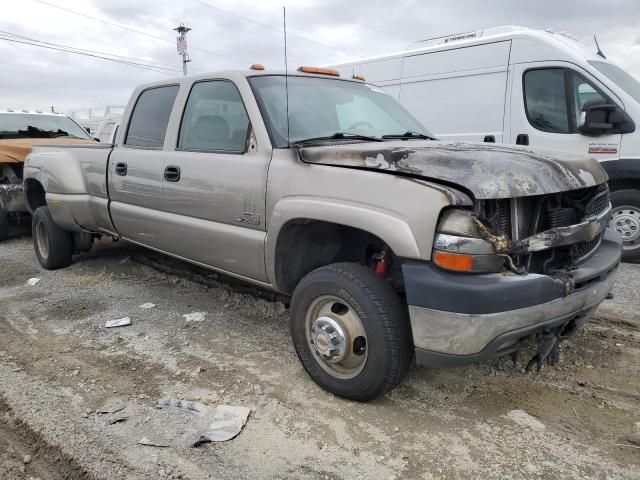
point(182, 45)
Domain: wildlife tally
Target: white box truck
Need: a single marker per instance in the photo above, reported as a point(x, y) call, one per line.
point(521, 86)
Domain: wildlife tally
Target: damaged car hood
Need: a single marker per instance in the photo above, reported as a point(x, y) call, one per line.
point(488, 171)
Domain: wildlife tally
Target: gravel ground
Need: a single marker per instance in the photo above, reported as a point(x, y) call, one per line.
point(59, 367)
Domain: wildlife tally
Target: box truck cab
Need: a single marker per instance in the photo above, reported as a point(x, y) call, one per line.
point(521, 86)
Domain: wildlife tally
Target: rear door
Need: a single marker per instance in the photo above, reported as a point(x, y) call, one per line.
point(136, 168)
point(214, 183)
point(547, 98)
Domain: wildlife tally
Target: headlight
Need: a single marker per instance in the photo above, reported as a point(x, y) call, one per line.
point(458, 245)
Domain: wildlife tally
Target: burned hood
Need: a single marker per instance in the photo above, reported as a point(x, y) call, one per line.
point(15, 150)
point(486, 170)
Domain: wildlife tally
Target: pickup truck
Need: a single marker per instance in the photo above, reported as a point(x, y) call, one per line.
point(392, 245)
point(19, 131)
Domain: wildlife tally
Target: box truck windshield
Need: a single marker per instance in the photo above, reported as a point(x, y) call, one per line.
point(621, 78)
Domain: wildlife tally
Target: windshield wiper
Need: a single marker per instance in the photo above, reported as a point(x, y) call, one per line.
point(338, 136)
point(408, 134)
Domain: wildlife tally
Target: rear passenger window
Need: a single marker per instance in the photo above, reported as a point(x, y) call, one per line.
point(214, 119)
point(150, 117)
point(546, 100)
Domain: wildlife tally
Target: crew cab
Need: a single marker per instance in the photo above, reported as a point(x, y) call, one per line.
point(392, 245)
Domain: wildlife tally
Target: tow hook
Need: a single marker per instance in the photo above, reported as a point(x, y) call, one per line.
point(548, 350)
point(381, 263)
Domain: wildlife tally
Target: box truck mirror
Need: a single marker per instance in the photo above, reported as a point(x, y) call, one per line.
point(600, 118)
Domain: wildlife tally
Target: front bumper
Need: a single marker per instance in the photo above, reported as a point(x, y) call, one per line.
point(462, 318)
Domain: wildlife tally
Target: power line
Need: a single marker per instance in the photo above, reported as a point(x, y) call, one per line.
point(264, 25)
point(139, 32)
point(149, 62)
point(36, 43)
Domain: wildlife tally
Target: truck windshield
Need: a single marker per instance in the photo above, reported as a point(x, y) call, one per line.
point(330, 110)
point(624, 80)
point(34, 125)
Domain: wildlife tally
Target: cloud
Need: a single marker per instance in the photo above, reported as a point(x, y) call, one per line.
point(337, 30)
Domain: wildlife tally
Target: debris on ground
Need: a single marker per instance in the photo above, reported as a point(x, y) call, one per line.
point(523, 419)
point(120, 322)
point(147, 306)
point(195, 316)
point(150, 443)
point(224, 421)
point(32, 281)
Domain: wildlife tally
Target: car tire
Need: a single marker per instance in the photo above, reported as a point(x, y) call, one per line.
point(625, 219)
point(4, 224)
point(53, 245)
point(351, 331)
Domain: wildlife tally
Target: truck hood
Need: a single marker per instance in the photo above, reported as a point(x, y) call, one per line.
point(486, 170)
point(15, 150)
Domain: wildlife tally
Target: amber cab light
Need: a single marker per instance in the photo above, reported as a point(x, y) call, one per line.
point(358, 77)
point(257, 66)
point(319, 70)
point(453, 261)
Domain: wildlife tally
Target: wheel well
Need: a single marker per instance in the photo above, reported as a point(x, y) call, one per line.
point(304, 245)
point(624, 184)
point(35, 195)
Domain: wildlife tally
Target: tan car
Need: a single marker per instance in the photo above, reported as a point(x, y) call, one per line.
point(392, 245)
point(19, 131)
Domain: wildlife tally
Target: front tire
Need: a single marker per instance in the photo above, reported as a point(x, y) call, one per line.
point(351, 331)
point(53, 245)
point(625, 219)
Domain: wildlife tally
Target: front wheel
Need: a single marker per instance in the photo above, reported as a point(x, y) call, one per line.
point(351, 331)
point(53, 245)
point(625, 219)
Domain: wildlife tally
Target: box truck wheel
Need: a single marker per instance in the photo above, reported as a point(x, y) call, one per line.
point(4, 224)
point(625, 219)
point(53, 245)
point(351, 331)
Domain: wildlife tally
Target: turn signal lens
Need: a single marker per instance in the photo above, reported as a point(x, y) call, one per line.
point(319, 70)
point(453, 261)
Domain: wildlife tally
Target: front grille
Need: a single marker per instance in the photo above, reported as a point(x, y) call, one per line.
point(544, 212)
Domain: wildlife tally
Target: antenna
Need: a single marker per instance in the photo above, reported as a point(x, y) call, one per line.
point(599, 52)
point(286, 73)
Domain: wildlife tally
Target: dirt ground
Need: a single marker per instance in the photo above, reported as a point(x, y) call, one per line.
point(76, 398)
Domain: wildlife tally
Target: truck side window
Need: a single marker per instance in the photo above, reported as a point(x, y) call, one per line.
point(546, 101)
point(583, 91)
point(214, 119)
point(150, 117)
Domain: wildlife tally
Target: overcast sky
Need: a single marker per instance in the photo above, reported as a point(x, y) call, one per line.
point(338, 30)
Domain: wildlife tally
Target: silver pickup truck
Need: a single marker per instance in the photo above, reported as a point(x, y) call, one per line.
point(392, 245)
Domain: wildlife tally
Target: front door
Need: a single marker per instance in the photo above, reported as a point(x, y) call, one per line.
point(547, 99)
point(214, 184)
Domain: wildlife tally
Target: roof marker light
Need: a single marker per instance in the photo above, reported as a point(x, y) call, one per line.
point(358, 77)
point(319, 70)
point(257, 66)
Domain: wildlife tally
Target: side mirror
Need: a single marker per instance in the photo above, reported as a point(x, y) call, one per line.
point(601, 118)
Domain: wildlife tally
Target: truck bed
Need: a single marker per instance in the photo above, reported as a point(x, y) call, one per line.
point(75, 179)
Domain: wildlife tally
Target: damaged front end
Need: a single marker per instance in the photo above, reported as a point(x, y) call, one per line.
point(546, 267)
point(544, 234)
point(12, 192)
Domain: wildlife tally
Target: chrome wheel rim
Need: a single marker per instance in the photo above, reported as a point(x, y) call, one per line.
point(625, 220)
point(42, 240)
point(336, 336)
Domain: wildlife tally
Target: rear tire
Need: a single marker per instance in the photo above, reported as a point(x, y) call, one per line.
point(53, 245)
point(82, 242)
point(4, 224)
point(625, 219)
point(351, 331)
